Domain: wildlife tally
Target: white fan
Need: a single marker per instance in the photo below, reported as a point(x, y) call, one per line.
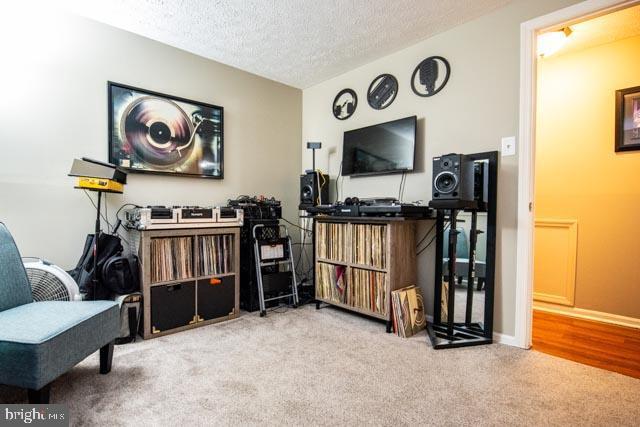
point(49, 282)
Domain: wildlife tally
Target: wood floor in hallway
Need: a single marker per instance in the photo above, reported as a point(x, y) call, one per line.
point(606, 346)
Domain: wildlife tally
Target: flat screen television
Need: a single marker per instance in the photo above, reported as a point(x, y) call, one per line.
point(380, 149)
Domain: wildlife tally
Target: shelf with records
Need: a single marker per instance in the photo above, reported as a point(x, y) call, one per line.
point(215, 254)
point(331, 240)
point(331, 282)
point(365, 290)
point(368, 290)
point(358, 263)
point(189, 277)
point(369, 245)
point(171, 259)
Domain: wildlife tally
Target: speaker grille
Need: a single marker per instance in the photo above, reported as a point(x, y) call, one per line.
point(445, 182)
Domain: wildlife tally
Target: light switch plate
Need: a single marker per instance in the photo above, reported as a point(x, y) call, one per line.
point(508, 146)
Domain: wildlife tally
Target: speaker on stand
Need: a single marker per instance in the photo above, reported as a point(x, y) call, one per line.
point(453, 184)
point(314, 189)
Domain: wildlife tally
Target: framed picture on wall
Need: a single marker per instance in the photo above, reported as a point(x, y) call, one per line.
point(628, 119)
point(157, 133)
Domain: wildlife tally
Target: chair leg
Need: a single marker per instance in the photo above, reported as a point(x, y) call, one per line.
point(106, 357)
point(39, 396)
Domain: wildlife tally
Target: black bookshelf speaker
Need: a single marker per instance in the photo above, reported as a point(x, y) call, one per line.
point(314, 189)
point(453, 178)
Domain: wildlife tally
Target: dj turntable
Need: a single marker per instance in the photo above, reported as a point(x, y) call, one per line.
point(161, 217)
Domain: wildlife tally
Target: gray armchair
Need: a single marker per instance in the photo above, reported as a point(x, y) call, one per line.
point(39, 341)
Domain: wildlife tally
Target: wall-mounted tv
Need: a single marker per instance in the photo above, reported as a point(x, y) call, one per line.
point(379, 149)
point(157, 133)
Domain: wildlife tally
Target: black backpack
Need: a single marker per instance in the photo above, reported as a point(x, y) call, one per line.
point(120, 274)
point(109, 245)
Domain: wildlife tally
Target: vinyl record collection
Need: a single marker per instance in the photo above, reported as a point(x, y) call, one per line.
point(367, 290)
point(331, 282)
point(171, 259)
point(331, 238)
point(355, 287)
point(408, 311)
point(368, 244)
point(215, 254)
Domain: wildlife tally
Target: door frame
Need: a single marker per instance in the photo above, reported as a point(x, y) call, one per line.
point(526, 162)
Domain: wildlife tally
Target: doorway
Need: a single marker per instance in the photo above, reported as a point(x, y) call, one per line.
point(581, 286)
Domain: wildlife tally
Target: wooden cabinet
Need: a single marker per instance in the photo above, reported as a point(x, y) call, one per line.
point(189, 277)
point(359, 261)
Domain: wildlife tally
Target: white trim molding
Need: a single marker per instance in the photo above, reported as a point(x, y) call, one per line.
point(582, 313)
point(505, 339)
point(565, 295)
point(526, 134)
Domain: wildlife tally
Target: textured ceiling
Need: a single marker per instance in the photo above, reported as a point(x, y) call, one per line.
point(296, 42)
point(603, 29)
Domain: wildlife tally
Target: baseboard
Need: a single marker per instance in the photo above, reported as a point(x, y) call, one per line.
point(505, 339)
point(581, 313)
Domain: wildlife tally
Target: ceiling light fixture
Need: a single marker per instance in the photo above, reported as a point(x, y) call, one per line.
point(552, 41)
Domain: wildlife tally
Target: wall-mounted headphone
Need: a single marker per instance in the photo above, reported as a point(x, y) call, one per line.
point(345, 104)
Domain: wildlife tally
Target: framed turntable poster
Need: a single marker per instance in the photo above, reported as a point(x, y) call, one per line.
point(152, 132)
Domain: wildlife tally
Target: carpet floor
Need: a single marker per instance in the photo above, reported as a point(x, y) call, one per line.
point(329, 367)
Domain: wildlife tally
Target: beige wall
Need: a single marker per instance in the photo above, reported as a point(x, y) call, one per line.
point(580, 177)
point(53, 108)
point(477, 107)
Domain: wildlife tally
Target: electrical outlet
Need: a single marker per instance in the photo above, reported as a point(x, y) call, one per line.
point(508, 146)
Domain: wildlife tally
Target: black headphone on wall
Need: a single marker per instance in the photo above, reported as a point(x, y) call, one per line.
point(348, 106)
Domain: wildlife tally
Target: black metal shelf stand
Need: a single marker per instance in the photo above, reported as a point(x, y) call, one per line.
point(451, 334)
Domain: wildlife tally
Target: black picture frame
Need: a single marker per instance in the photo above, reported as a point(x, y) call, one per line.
point(350, 107)
point(623, 131)
point(375, 91)
point(110, 106)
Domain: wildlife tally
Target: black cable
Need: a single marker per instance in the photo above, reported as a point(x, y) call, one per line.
point(123, 206)
point(103, 217)
point(426, 234)
point(279, 309)
point(432, 240)
point(296, 225)
point(96, 208)
point(106, 211)
point(297, 264)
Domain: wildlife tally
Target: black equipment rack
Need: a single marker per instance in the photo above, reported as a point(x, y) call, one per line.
point(451, 334)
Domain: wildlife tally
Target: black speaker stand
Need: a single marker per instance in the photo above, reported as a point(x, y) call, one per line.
point(451, 334)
